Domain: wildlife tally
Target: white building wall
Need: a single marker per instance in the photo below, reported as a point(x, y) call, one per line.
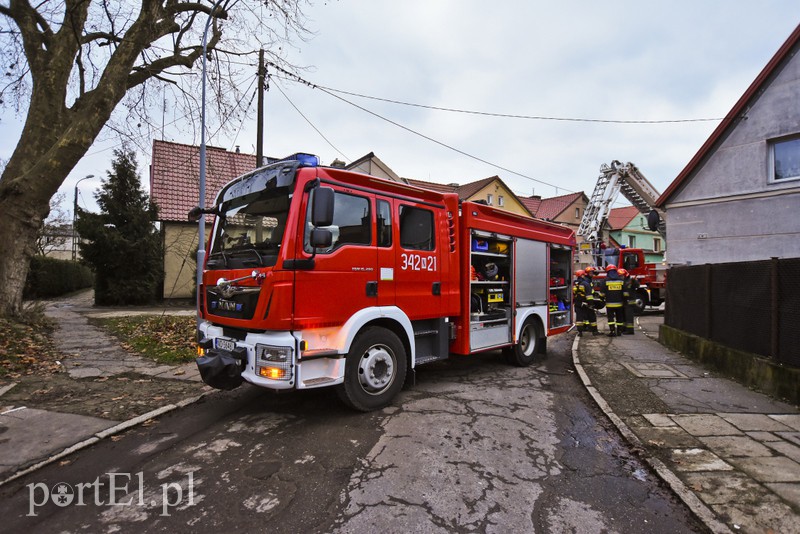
point(728, 210)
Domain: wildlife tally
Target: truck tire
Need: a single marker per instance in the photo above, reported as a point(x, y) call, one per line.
point(374, 370)
point(528, 346)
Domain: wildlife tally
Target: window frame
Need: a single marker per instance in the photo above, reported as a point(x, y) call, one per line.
point(405, 246)
point(338, 243)
point(771, 144)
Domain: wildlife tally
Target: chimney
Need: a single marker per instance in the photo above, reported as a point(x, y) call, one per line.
point(237, 149)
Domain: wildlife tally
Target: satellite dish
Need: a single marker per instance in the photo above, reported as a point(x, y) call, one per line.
point(653, 218)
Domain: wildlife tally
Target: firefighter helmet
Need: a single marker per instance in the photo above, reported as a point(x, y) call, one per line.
point(590, 270)
point(611, 267)
point(622, 272)
point(579, 273)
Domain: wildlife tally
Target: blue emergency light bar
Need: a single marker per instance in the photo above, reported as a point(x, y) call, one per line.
point(306, 160)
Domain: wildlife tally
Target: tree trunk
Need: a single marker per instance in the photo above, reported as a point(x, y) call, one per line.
point(19, 226)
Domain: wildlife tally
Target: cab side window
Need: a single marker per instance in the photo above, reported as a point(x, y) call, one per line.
point(416, 229)
point(384, 224)
point(352, 223)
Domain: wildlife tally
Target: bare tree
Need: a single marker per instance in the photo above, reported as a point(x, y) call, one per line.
point(76, 68)
point(56, 231)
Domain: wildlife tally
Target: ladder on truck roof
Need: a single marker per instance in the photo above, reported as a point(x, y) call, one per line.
point(614, 179)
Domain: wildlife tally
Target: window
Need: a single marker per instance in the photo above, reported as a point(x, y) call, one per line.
point(384, 224)
point(631, 241)
point(352, 223)
point(577, 213)
point(656, 244)
point(785, 156)
point(416, 229)
point(489, 198)
point(500, 200)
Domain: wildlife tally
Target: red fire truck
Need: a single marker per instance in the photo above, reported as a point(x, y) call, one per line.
point(319, 276)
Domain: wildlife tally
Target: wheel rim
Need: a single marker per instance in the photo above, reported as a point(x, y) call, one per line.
point(376, 369)
point(527, 341)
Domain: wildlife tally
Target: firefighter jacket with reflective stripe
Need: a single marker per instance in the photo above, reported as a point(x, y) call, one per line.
point(611, 289)
point(629, 288)
point(582, 290)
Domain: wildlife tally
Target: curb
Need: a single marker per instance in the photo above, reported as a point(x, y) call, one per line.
point(698, 508)
point(116, 429)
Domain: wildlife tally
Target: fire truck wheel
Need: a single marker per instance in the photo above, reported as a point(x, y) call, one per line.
point(374, 370)
point(526, 350)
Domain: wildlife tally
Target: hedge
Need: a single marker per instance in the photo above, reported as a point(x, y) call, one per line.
point(49, 277)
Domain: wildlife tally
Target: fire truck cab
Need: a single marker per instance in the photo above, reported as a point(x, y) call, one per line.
point(318, 276)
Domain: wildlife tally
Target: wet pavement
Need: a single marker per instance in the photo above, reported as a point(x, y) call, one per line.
point(732, 454)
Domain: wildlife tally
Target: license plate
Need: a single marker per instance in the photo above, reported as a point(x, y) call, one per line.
point(226, 344)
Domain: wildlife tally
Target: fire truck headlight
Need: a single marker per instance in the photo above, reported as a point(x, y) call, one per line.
point(274, 362)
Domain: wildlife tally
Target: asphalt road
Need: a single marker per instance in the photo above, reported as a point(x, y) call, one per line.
point(475, 446)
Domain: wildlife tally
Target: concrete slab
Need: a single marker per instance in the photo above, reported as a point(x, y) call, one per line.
point(764, 436)
point(792, 437)
point(669, 437)
point(692, 460)
point(29, 435)
point(706, 425)
point(785, 448)
point(754, 422)
point(659, 419)
point(787, 491)
point(653, 370)
point(731, 446)
point(792, 420)
point(773, 469)
point(727, 487)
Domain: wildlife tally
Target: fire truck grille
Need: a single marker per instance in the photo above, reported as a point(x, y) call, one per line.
point(236, 307)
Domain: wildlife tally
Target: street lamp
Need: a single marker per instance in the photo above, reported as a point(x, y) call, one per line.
point(74, 218)
point(201, 239)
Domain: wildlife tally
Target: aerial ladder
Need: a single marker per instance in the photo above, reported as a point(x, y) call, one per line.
point(614, 179)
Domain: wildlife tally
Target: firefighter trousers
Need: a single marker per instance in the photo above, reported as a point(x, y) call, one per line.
point(616, 318)
point(629, 319)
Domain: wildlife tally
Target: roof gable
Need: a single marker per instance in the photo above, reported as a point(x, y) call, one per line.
point(175, 176)
point(550, 208)
point(619, 218)
point(734, 116)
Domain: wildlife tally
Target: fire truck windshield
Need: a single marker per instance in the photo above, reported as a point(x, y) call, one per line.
point(249, 230)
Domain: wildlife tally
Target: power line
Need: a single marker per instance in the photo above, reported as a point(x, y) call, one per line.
point(294, 77)
point(310, 123)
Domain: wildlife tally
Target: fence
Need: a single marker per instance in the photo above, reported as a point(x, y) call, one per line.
point(749, 306)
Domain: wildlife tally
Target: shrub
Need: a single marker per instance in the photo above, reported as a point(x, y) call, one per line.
point(49, 277)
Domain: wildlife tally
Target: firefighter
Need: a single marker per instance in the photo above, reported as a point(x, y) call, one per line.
point(629, 287)
point(611, 289)
point(579, 301)
point(592, 300)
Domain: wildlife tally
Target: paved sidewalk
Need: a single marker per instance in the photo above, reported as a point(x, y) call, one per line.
point(730, 453)
point(30, 438)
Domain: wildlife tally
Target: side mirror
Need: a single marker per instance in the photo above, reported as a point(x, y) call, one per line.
point(195, 213)
point(321, 238)
point(322, 207)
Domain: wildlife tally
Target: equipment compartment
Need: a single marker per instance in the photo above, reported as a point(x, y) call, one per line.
point(490, 290)
point(560, 283)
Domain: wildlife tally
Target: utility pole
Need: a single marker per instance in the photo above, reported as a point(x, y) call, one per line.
point(262, 72)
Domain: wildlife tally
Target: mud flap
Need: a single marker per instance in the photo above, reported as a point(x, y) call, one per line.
point(222, 369)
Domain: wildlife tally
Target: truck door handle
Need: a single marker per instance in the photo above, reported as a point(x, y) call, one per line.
point(372, 289)
point(437, 288)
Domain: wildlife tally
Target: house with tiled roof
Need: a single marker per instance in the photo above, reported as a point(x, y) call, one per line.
point(493, 191)
point(627, 227)
point(737, 198)
point(174, 187)
point(564, 209)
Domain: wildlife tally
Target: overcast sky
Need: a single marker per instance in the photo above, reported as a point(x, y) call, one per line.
point(615, 60)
